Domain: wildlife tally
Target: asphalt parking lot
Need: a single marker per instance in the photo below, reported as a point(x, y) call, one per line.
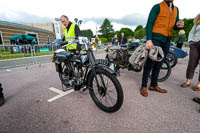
point(27, 109)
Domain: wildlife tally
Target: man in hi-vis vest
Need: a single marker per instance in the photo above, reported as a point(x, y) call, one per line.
point(163, 18)
point(71, 30)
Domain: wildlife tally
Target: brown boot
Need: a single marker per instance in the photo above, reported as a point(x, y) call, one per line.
point(143, 91)
point(158, 89)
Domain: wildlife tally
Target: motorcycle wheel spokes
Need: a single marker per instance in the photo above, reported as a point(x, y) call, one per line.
point(165, 71)
point(108, 96)
point(106, 92)
point(64, 75)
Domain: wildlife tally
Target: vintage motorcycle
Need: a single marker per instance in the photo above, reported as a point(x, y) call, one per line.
point(118, 58)
point(81, 71)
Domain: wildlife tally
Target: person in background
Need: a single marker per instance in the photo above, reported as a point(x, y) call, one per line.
point(180, 39)
point(194, 54)
point(115, 40)
point(25, 42)
point(2, 99)
point(123, 39)
point(163, 18)
point(17, 43)
point(33, 42)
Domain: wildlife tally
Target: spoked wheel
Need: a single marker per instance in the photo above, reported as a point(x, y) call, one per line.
point(165, 71)
point(64, 75)
point(109, 95)
point(171, 57)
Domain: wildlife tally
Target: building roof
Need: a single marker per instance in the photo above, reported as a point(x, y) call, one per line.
point(23, 26)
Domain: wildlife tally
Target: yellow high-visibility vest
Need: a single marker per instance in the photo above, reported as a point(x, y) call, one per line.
point(70, 33)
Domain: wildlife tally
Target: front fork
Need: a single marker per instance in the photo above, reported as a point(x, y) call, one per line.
point(93, 64)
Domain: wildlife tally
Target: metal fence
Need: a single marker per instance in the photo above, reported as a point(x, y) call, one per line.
point(25, 55)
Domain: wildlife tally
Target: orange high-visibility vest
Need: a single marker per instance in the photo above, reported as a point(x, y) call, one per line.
point(165, 20)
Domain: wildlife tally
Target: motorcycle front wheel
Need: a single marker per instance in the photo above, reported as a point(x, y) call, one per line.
point(109, 95)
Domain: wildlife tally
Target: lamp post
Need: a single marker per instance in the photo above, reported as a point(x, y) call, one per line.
point(78, 22)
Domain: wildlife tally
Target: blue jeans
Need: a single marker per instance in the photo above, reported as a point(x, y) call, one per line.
point(154, 66)
point(18, 50)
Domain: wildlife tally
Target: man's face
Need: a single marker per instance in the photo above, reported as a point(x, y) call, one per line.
point(64, 21)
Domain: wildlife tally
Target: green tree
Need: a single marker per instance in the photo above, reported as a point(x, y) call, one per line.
point(103, 40)
point(140, 33)
point(138, 28)
point(188, 23)
point(127, 32)
point(87, 33)
point(106, 29)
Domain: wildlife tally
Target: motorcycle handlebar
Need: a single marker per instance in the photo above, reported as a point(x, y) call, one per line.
point(69, 42)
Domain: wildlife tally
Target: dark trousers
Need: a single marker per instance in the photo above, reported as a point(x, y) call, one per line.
point(154, 66)
point(1, 90)
point(194, 57)
point(179, 45)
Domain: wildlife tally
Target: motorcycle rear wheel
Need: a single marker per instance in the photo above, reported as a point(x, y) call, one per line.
point(64, 75)
point(165, 71)
point(171, 57)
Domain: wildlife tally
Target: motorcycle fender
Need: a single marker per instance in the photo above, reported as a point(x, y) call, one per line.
point(178, 52)
point(109, 70)
point(58, 67)
point(105, 68)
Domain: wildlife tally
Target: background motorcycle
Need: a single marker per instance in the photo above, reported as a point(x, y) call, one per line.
point(118, 58)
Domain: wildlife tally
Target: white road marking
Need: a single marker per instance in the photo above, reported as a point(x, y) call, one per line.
point(8, 70)
point(56, 90)
point(61, 93)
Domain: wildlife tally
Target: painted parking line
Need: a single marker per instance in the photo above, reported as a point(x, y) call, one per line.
point(60, 93)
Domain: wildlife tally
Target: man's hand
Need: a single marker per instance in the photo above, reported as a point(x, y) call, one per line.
point(149, 45)
point(77, 51)
point(180, 24)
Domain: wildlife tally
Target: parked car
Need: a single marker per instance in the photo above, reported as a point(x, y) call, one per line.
point(56, 42)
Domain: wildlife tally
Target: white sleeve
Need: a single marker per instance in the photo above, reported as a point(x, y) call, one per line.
point(192, 33)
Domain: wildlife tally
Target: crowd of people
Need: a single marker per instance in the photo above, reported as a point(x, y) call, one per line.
point(163, 18)
point(21, 45)
point(122, 40)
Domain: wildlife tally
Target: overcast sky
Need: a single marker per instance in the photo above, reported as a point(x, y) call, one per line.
point(123, 13)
